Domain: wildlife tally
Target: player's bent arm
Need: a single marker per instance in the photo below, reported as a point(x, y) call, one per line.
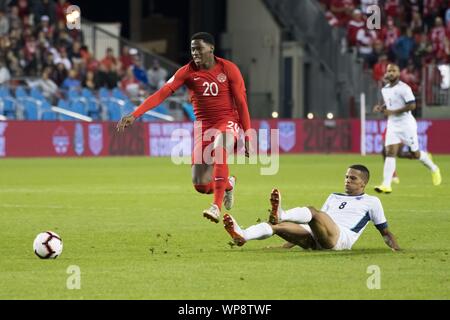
point(408, 107)
point(239, 94)
point(389, 239)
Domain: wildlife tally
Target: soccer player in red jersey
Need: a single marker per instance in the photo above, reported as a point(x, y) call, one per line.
point(219, 98)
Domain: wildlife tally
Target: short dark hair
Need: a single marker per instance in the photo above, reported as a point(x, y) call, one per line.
point(363, 169)
point(205, 36)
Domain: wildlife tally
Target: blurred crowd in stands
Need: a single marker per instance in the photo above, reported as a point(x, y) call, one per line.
point(413, 34)
point(35, 42)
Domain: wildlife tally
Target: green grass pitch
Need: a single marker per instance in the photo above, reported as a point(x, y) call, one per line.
point(134, 228)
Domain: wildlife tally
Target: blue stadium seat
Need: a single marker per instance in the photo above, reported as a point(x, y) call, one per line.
point(87, 93)
point(117, 93)
point(4, 92)
point(8, 107)
point(114, 111)
point(49, 115)
point(128, 108)
point(21, 92)
point(36, 94)
point(103, 93)
point(73, 94)
point(189, 110)
point(64, 104)
point(31, 110)
point(78, 107)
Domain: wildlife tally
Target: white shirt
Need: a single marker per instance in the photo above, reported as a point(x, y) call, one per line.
point(354, 212)
point(396, 97)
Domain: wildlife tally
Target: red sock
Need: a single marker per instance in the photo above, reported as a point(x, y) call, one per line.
point(205, 188)
point(395, 174)
point(220, 174)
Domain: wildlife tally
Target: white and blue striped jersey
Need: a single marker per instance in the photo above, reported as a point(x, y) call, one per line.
point(355, 212)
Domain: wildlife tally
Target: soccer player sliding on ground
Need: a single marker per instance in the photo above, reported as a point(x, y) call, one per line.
point(337, 226)
point(220, 106)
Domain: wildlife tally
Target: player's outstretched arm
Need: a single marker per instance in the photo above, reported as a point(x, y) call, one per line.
point(155, 99)
point(389, 239)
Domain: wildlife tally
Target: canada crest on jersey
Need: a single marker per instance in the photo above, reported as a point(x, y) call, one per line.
point(222, 77)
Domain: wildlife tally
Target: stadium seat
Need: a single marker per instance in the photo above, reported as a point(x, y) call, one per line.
point(21, 92)
point(78, 107)
point(87, 93)
point(64, 105)
point(114, 111)
point(73, 94)
point(189, 110)
point(103, 93)
point(117, 93)
point(8, 107)
point(36, 94)
point(30, 110)
point(4, 92)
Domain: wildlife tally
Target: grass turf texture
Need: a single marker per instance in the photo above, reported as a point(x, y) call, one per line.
point(134, 227)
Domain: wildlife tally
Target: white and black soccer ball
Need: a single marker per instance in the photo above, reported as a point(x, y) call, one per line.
point(48, 245)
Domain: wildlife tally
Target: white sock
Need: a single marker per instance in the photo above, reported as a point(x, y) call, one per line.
point(298, 215)
point(389, 168)
point(425, 159)
point(258, 232)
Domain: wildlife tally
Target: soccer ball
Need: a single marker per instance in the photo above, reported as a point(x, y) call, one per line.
point(47, 245)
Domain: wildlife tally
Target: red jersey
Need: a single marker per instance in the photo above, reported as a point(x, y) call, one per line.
point(218, 94)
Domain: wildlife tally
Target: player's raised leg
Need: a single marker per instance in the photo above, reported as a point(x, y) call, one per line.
point(291, 232)
point(427, 161)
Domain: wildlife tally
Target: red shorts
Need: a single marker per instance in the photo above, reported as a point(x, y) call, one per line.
point(204, 136)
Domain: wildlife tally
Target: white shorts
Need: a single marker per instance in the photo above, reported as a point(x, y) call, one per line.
point(345, 241)
point(402, 133)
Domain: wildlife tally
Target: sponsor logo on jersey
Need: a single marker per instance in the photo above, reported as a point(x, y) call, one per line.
point(95, 138)
point(287, 135)
point(222, 78)
point(60, 140)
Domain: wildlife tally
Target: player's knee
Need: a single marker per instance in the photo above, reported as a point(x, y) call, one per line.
point(203, 188)
point(415, 155)
point(313, 210)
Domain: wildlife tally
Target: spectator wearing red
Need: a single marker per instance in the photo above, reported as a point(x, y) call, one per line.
point(391, 8)
point(410, 76)
point(110, 61)
point(129, 83)
point(438, 37)
point(365, 39)
point(389, 33)
point(342, 9)
point(126, 59)
point(61, 10)
point(379, 69)
point(354, 25)
point(23, 7)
